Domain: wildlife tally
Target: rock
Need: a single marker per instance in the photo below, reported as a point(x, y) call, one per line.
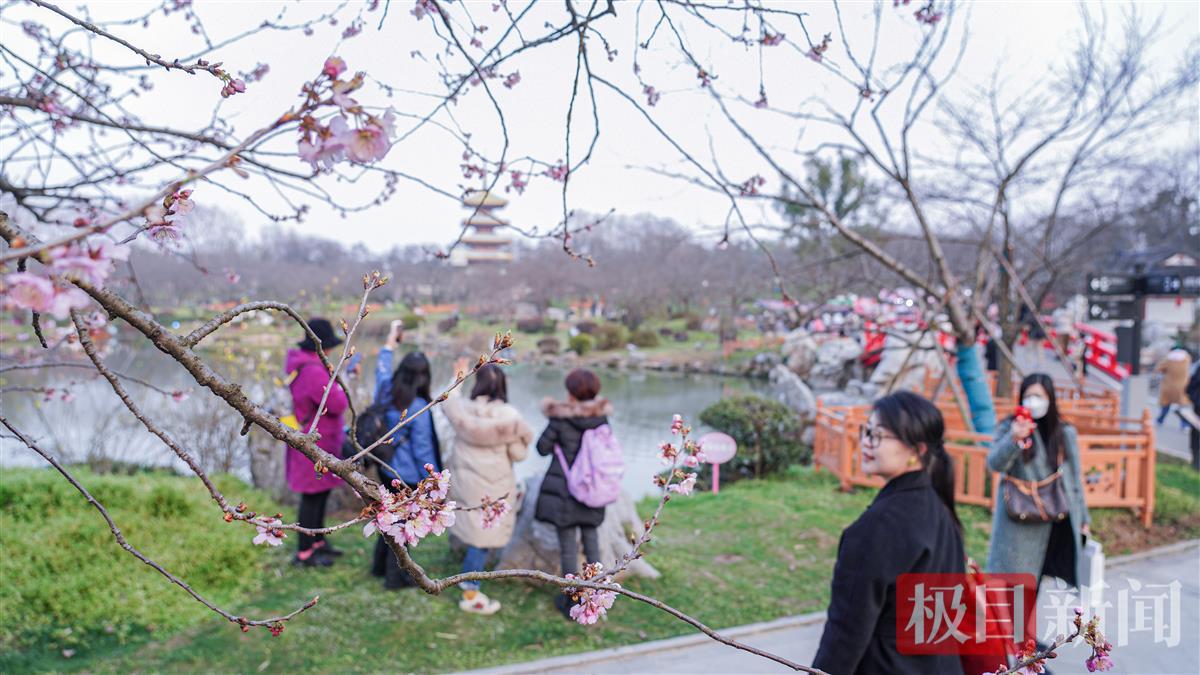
point(800, 352)
point(793, 392)
point(681, 336)
point(763, 363)
point(534, 544)
point(837, 361)
point(549, 345)
point(895, 351)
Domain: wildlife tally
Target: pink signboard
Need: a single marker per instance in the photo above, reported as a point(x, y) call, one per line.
point(718, 448)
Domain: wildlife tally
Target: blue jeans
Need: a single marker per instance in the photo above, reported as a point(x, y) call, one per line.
point(473, 561)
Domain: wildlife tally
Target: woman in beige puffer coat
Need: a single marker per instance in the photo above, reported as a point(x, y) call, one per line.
point(489, 436)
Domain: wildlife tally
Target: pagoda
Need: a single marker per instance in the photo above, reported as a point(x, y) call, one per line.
point(483, 243)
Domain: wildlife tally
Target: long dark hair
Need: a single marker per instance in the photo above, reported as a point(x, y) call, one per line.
point(410, 380)
point(413, 372)
point(490, 382)
point(1050, 427)
point(402, 395)
point(916, 422)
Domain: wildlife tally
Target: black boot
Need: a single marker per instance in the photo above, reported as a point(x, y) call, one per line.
point(563, 604)
point(379, 558)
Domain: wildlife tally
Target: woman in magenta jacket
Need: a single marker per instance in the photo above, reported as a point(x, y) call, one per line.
point(307, 381)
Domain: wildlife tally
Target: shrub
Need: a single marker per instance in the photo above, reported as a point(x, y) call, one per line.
point(581, 344)
point(694, 322)
point(535, 325)
point(610, 336)
point(644, 337)
point(767, 433)
point(412, 321)
point(586, 327)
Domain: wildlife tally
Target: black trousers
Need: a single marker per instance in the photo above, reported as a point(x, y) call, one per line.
point(569, 547)
point(312, 514)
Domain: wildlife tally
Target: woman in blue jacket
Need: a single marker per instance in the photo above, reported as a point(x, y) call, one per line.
point(415, 445)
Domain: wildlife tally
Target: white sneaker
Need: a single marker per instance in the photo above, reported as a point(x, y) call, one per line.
point(478, 603)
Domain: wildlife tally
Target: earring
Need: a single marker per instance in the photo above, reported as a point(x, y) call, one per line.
point(912, 461)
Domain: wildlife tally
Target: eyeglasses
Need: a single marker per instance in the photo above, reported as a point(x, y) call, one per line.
point(872, 436)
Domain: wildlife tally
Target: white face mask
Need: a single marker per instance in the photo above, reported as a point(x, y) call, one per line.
point(1038, 406)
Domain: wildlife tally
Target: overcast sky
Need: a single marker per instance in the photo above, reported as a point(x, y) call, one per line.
point(1021, 42)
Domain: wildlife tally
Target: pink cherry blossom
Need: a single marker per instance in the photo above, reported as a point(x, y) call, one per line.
point(557, 172)
point(231, 276)
point(341, 94)
point(179, 395)
point(652, 95)
point(268, 533)
point(443, 519)
point(28, 291)
point(771, 40)
point(329, 146)
point(493, 511)
point(593, 603)
point(667, 453)
point(180, 204)
point(334, 67)
point(233, 87)
point(512, 79)
point(424, 7)
point(369, 143)
point(685, 486)
point(927, 15)
point(91, 263)
point(165, 234)
point(676, 424)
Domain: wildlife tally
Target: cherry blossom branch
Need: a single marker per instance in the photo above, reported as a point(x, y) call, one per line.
point(370, 282)
point(564, 582)
point(230, 392)
point(84, 366)
point(275, 623)
point(169, 189)
point(1030, 659)
point(499, 344)
point(190, 69)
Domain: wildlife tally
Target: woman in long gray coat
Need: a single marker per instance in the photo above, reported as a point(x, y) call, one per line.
point(1038, 548)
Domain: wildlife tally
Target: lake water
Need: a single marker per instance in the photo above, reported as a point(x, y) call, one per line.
point(94, 424)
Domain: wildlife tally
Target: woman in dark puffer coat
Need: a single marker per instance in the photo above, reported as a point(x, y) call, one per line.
point(569, 419)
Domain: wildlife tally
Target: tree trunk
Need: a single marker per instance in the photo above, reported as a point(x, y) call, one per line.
point(1008, 321)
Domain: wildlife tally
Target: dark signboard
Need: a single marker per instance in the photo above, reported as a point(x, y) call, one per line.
point(1111, 310)
point(1111, 284)
point(1172, 283)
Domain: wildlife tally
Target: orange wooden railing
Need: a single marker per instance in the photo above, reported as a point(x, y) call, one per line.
point(1117, 456)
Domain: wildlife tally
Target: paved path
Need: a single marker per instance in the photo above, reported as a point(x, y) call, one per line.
point(796, 638)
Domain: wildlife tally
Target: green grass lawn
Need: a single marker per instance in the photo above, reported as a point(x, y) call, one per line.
point(758, 551)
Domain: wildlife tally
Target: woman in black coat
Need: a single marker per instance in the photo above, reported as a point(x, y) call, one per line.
point(568, 420)
point(911, 527)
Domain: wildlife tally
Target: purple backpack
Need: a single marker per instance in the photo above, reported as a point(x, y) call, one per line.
point(595, 477)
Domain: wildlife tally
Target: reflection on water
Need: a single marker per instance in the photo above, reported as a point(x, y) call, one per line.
point(94, 424)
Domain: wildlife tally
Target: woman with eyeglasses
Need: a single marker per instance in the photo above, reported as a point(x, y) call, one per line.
point(910, 527)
